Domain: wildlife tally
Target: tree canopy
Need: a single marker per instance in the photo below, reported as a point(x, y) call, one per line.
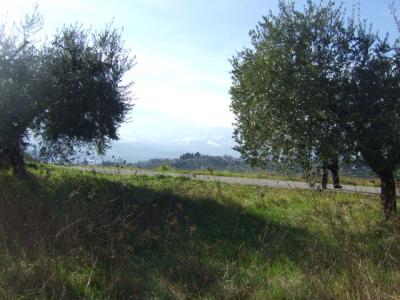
point(318, 84)
point(68, 92)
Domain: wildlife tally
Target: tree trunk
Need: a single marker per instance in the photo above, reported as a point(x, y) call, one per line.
point(15, 159)
point(388, 193)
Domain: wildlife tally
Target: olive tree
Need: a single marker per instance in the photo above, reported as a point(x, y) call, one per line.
point(317, 84)
point(285, 84)
point(370, 109)
point(18, 72)
point(69, 92)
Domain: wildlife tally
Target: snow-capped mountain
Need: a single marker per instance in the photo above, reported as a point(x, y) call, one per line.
point(160, 136)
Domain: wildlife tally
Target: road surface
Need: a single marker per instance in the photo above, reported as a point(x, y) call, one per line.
point(234, 180)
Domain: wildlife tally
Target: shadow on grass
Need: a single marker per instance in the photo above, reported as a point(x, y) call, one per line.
point(102, 237)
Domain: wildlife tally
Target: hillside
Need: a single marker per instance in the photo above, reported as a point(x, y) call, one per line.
point(155, 135)
point(67, 234)
point(226, 163)
point(197, 161)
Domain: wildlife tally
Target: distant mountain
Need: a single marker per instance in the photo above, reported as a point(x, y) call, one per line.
point(154, 135)
point(214, 141)
point(197, 161)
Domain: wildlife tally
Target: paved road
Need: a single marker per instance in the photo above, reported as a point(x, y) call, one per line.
point(235, 180)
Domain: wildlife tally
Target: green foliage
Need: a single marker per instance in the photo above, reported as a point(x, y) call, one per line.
point(370, 112)
point(114, 237)
point(315, 85)
point(18, 72)
point(84, 99)
point(190, 155)
point(164, 167)
point(284, 86)
point(68, 91)
point(197, 161)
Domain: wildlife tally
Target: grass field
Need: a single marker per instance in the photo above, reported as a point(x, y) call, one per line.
point(67, 234)
point(349, 180)
point(343, 179)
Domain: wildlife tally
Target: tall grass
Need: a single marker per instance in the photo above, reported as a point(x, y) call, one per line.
point(69, 235)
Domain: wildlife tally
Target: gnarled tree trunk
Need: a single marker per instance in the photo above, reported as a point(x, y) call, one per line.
point(388, 193)
point(13, 157)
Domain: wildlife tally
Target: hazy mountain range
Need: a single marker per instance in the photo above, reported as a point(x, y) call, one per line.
point(154, 135)
point(213, 141)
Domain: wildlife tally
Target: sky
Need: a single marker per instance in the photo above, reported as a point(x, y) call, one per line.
point(182, 49)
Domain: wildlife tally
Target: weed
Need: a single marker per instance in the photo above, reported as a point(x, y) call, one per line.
point(67, 234)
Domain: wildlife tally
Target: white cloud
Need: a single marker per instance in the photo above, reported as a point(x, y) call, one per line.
point(194, 105)
point(171, 76)
point(181, 89)
point(15, 10)
point(65, 5)
point(214, 144)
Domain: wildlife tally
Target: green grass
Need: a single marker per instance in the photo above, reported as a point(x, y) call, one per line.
point(67, 234)
point(348, 180)
point(343, 179)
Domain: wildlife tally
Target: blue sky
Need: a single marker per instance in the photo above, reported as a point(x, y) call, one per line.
point(182, 50)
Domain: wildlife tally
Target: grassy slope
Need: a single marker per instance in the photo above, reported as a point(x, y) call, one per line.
point(68, 234)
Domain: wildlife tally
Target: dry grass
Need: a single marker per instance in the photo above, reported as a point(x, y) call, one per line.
point(68, 235)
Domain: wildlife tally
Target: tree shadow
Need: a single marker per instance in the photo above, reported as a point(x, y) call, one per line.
point(155, 236)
